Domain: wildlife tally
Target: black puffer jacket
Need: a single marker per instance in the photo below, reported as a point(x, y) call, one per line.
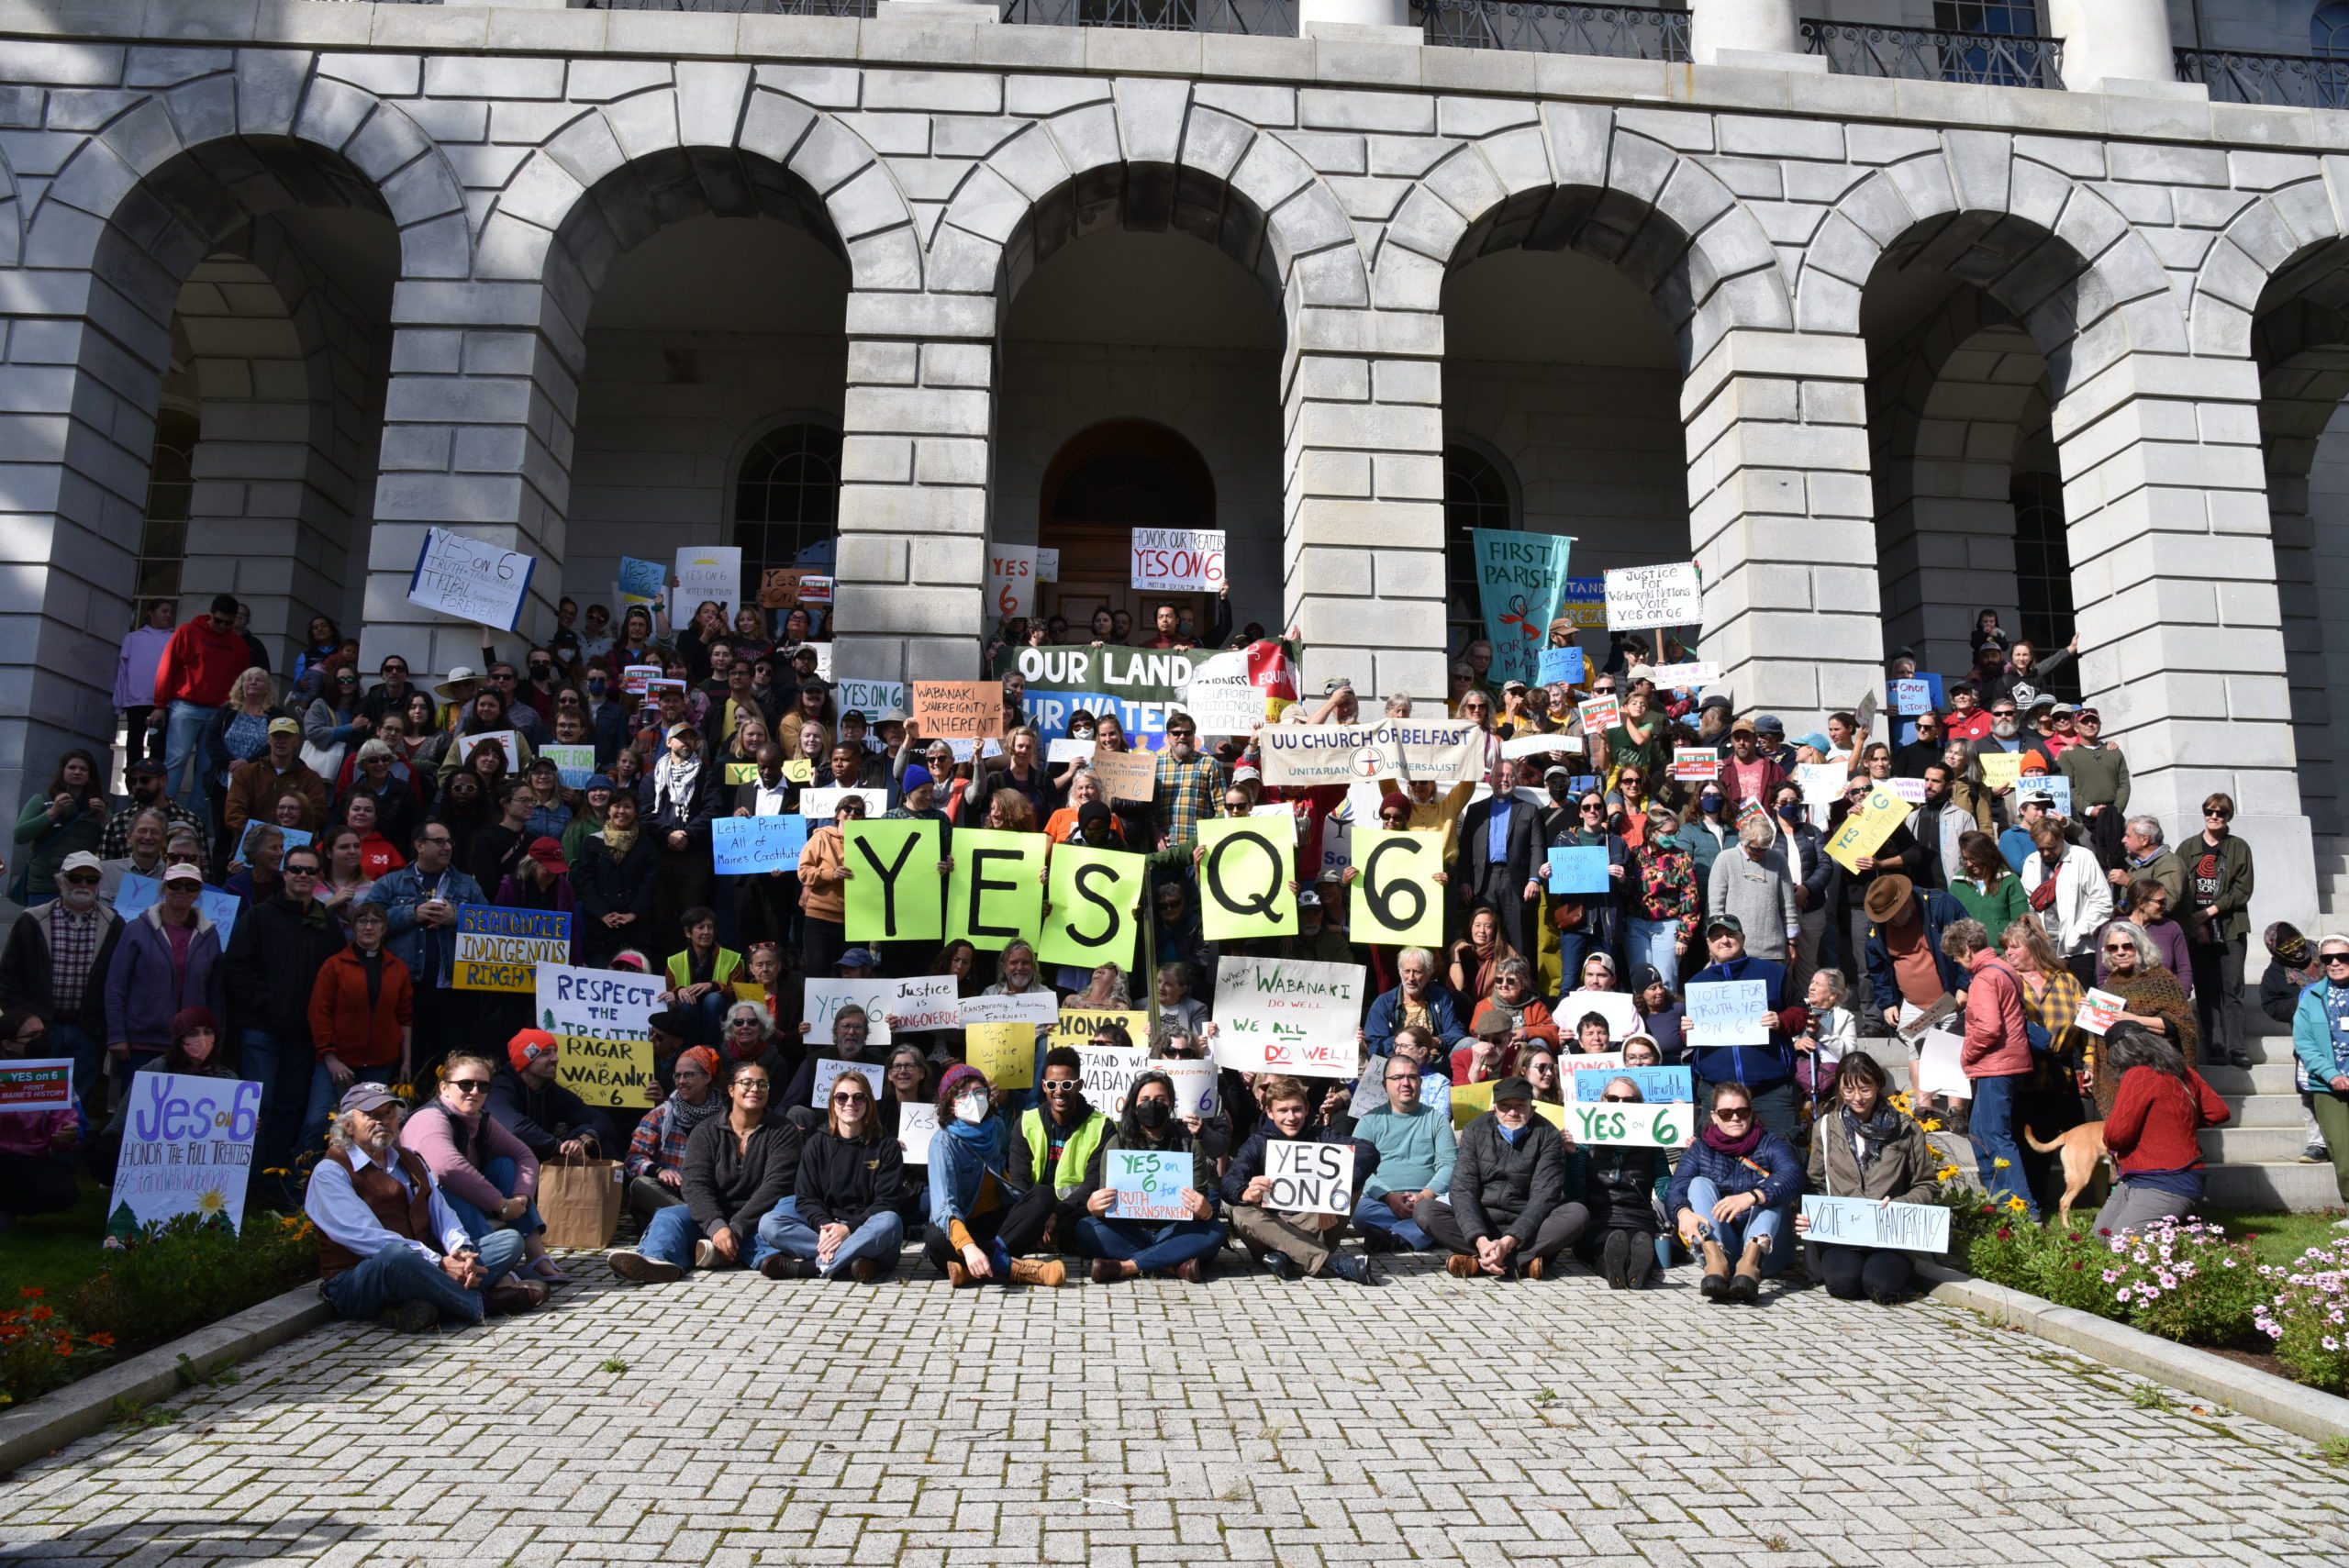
point(1498, 1190)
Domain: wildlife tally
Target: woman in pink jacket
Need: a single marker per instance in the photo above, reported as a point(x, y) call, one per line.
point(1996, 1057)
point(488, 1175)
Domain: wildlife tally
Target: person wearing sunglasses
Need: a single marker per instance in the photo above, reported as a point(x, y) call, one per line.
point(842, 1214)
point(2216, 914)
point(1619, 1186)
point(1734, 1195)
point(2320, 1045)
point(737, 1167)
point(1863, 1148)
point(488, 1175)
point(2153, 997)
point(1052, 1147)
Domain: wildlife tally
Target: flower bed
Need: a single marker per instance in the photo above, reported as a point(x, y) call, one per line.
point(2302, 1314)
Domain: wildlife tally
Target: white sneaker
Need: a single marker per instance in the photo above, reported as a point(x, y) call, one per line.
point(2341, 1225)
point(705, 1253)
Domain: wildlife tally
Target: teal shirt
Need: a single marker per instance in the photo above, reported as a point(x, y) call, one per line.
point(1415, 1152)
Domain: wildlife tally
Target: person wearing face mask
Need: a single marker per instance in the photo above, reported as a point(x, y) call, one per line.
point(1127, 1249)
point(1706, 828)
point(656, 1164)
point(842, 1214)
point(55, 965)
point(1287, 1244)
point(1585, 923)
point(971, 1196)
point(607, 713)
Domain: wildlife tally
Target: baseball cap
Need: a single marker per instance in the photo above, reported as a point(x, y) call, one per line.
point(283, 726)
point(182, 873)
point(80, 860)
point(859, 958)
point(1729, 923)
point(368, 1097)
point(1512, 1088)
point(547, 853)
point(1770, 724)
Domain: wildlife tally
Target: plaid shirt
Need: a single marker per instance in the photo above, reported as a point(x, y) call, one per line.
point(72, 952)
point(115, 842)
point(1189, 792)
point(2056, 1009)
point(658, 1145)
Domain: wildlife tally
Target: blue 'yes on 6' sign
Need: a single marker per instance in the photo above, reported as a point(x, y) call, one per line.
point(1148, 1184)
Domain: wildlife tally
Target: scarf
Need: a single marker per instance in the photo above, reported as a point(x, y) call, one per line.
point(1737, 1148)
point(618, 842)
point(685, 1116)
point(1871, 1135)
point(979, 1135)
point(676, 776)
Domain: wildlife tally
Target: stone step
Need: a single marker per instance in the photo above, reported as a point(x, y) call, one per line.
point(2264, 1110)
point(2270, 1184)
point(2267, 1078)
point(2251, 1145)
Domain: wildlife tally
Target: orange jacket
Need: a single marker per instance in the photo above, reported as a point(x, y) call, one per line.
point(822, 894)
point(340, 1020)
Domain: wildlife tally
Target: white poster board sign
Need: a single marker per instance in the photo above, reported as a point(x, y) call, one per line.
point(1864, 1222)
point(1277, 1014)
point(187, 1148)
point(823, 805)
point(1309, 1178)
point(1640, 597)
point(828, 1071)
point(1220, 698)
point(469, 580)
point(1179, 560)
point(1938, 1068)
point(825, 998)
point(1621, 1010)
point(1195, 1080)
point(1728, 1012)
point(917, 1125)
point(1037, 1006)
point(1011, 579)
point(712, 571)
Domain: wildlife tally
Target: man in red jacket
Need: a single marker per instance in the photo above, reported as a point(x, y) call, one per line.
point(1995, 1057)
point(200, 664)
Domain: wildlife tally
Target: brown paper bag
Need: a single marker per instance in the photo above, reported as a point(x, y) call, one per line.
point(580, 1201)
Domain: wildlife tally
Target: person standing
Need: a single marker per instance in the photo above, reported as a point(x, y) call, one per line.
point(2321, 1043)
point(55, 965)
point(198, 665)
point(362, 1016)
point(421, 903)
point(134, 684)
point(1996, 1058)
point(275, 951)
point(2216, 916)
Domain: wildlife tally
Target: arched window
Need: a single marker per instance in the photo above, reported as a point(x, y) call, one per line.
point(1476, 495)
point(2329, 31)
point(2043, 570)
point(787, 500)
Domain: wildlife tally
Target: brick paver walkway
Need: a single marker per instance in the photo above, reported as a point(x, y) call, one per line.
point(1433, 1419)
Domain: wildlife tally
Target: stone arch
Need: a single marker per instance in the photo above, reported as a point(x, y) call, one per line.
point(1576, 179)
point(2288, 242)
point(2061, 256)
point(715, 142)
point(1151, 158)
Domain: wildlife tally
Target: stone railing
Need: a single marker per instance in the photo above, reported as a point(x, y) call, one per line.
point(1275, 17)
point(1932, 54)
point(761, 8)
point(1622, 32)
point(2308, 82)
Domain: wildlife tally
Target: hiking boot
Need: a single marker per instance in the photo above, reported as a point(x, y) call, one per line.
point(1748, 1283)
point(864, 1270)
point(1349, 1268)
point(1106, 1272)
point(1534, 1268)
point(1615, 1258)
point(1639, 1260)
point(1045, 1275)
point(1714, 1286)
point(631, 1264)
point(1192, 1271)
point(781, 1266)
point(1277, 1266)
point(958, 1276)
point(408, 1316)
point(511, 1296)
point(1460, 1265)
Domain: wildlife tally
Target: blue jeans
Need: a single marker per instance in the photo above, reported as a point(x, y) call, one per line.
point(402, 1273)
point(1372, 1214)
point(89, 1054)
point(669, 1236)
point(323, 1095)
point(182, 745)
point(783, 1230)
point(1653, 941)
point(1992, 1129)
point(501, 1174)
point(1752, 1226)
point(1151, 1245)
point(284, 1071)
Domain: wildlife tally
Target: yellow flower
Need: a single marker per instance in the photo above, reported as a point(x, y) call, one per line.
point(2017, 1204)
point(2000, 1163)
point(1930, 1125)
point(1945, 1172)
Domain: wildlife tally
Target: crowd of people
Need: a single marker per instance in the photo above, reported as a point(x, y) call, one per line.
point(336, 825)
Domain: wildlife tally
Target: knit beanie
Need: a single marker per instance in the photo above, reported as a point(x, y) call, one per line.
point(528, 1047)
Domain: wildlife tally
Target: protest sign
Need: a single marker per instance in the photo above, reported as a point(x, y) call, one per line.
point(1048, 565)
point(800, 770)
point(876, 700)
point(1306, 756)
point(1657, 1085)
point(830, 1070)
point(1579, 868)
point(1136, 685)
point(747, 846)
point(1309, 1178)
point(924, 1002)
point(1520, 577)
point(2099, 1010)
point(470, 579)
point(1910, 791)
point(500, 949)
point(917, 1125)
point(1068, 749)
point(1011, 579)
point(1196, 1084)
point(1821, 783)
point(1245, 879)
point(1005, 1053)
point(187, 1148)
point(740, 772)
point(1999, 769)
point(135, 894)
point(641, 583)
point(1584, 604)
point(1029, 1007)
point(1866, 827)
point(1640, 596)
point(1188, 560)
point(1938, 1068)
point(575, 763)
point(1540, 745)
point(1667, 1126)
point(707, 572)
point(1149, 1185)
point(1599, 715)
point(1109, 1074)
point(1695, 764)
point(2054, 786)
point(823, 805)
point(1466, 1102)
point(287, 839)
point(1222, 696)
point(1864, 715)
point(635, 679)
point(1619, 1009)
point(826, 997)
point(603, 1020)
point(1397, 901)
point(814, 589)
point(966, 710)
point(1127, 775)
point(34, 1083)
point(502, 738)
point(1093, 904)
point(1867, 1222)
point(1728, 1012)
point(1077, 1026)
point(1684, 677)
point(778, 587)
point(996, 895)
point(894, 893)
point(1912, 696)
point(1560, 665)
point(1277, 1014)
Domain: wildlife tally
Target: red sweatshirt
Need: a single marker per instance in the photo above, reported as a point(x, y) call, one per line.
point(199, 664)
point(2153, 1120)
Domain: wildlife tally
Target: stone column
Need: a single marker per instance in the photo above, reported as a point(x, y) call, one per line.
point(916, 473)
point(477, 437)
point(1781, 520)
point(2174, 580)
point(1363, 504)
point(1764, 33)
point(2119, 46)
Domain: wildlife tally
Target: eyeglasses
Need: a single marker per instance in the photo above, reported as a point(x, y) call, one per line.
point(182, 885)
point(851, 1099)
point(82, 879)
point(1733, 1113)
point(2003, 713)
point(2335, 957)
point(1061, 1086)
point(2119, 946)
point(1180, 734)
point(1620, 1099)
point(751, 1085)
point(1590, 806)
point(441, 838)
point(468, 1086)
point(2216, 815)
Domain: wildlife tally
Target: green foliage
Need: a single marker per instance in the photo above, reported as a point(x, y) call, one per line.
point(2304, 1309)
point(2183, 1281)
point(190, 1272)
point(2064, 1266)
point(613, 1364)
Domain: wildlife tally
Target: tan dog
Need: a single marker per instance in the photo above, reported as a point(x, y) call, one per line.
point(2081, 1147)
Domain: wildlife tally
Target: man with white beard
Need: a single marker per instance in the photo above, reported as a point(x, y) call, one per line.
point(55, 964)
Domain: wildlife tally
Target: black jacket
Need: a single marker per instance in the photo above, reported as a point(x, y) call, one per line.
point(602, 884)
point(274, 959)
point(665, 814)
point(730, 1186)
point(1620, 1186)
point(25, 971)
point(842, 1183)
point(543, 1119)
point(1497, 1190)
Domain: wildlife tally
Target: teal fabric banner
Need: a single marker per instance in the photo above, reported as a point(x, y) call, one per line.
point(1520, 580)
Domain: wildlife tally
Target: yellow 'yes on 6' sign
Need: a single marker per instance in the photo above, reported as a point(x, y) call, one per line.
point(1865, 829)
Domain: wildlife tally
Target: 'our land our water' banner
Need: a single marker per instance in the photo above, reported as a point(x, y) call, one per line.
point(1520, 578)
point(1136, 685)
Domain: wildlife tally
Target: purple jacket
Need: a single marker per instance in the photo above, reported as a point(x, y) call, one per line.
point(141, 998)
